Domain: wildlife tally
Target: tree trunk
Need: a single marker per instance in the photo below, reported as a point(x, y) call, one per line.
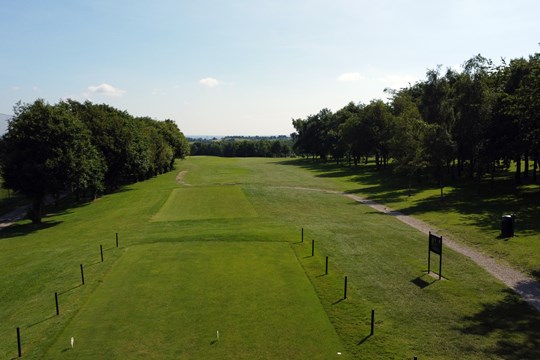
point(492, 173)
point(37, 209)
point(518, 170)
point(526, 167)
point(535, 166)
point(472, 168)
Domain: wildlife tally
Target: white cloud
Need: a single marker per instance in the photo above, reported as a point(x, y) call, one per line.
point(350, 77)
point(209, 82)
point(398, 81)
point(105, 90)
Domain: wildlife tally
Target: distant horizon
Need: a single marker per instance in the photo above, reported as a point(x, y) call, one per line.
point(5, 117)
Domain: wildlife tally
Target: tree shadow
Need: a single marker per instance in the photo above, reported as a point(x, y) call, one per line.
point(24, 229)
point(515, 324)
point(479, 203)
point(492, 199)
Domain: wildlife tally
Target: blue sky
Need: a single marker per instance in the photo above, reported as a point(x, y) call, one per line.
point(244, 67)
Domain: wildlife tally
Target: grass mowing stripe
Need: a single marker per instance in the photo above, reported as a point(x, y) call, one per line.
point(168, 300)
point(201, 203)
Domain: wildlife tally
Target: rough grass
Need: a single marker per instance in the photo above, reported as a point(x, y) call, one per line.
point(469, 315)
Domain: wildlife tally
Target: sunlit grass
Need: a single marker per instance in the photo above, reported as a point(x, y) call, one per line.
point(385, 262)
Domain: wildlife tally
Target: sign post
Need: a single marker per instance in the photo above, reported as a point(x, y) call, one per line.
point(435, 245)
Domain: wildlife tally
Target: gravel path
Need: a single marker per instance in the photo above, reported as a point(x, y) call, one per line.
point(524, 285)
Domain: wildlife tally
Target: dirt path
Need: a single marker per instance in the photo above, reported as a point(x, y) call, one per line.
point(13, 216)
point(20, 212)
point(524, 285)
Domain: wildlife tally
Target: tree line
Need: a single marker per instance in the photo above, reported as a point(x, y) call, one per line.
point(465, 123)
point(242, 148)
point(83, 148)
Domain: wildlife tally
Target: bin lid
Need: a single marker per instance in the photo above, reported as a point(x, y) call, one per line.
point(507, 216)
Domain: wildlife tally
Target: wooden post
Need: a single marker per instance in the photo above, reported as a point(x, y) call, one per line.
point(101, 251)
point(302, 234)
point(19, 342)
point(312, 247)
point(326, 270)
point(56, 301)
point(440, 262)
point(116, 239)
point(429, 254)
point(82, 274)
point(345, 289)
point(372, 321)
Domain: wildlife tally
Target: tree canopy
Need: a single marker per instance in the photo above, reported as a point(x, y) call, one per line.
point(452, 124)
point(83, 148)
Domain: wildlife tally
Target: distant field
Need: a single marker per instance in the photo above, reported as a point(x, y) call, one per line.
point(225, 253)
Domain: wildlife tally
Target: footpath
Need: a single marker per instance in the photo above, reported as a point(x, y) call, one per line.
point(527, 287)
point(13, 216)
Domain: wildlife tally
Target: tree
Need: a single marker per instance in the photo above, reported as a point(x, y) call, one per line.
point(46, 151)
point(407, 145)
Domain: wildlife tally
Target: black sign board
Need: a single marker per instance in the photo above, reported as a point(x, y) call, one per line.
point(435, 243)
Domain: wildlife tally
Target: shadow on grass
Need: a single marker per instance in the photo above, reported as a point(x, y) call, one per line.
point(338, 301)
point(42, 321)
point(24, 229)
point(364, 340)
point(482, 203)
point(421, 283)
point(97, 262)
point(63, 206)
point(515, 324)
point(69, 290)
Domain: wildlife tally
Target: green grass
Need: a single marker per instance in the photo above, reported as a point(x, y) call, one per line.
point(169, 300)
point(471, 211)
point(203, 203)
point(256, 222)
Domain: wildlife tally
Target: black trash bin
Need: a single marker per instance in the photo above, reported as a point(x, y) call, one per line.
point(507, 226)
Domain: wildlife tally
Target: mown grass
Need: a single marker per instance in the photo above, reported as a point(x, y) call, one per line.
point(202, 203)
point(170, 300)
point(468, 315)
point(470, 211)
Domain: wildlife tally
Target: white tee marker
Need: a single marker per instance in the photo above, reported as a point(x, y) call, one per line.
point(72, 342)
point(217, 334)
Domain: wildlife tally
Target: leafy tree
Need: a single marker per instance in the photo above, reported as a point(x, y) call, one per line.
point(46, 151)
point(407, 145)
